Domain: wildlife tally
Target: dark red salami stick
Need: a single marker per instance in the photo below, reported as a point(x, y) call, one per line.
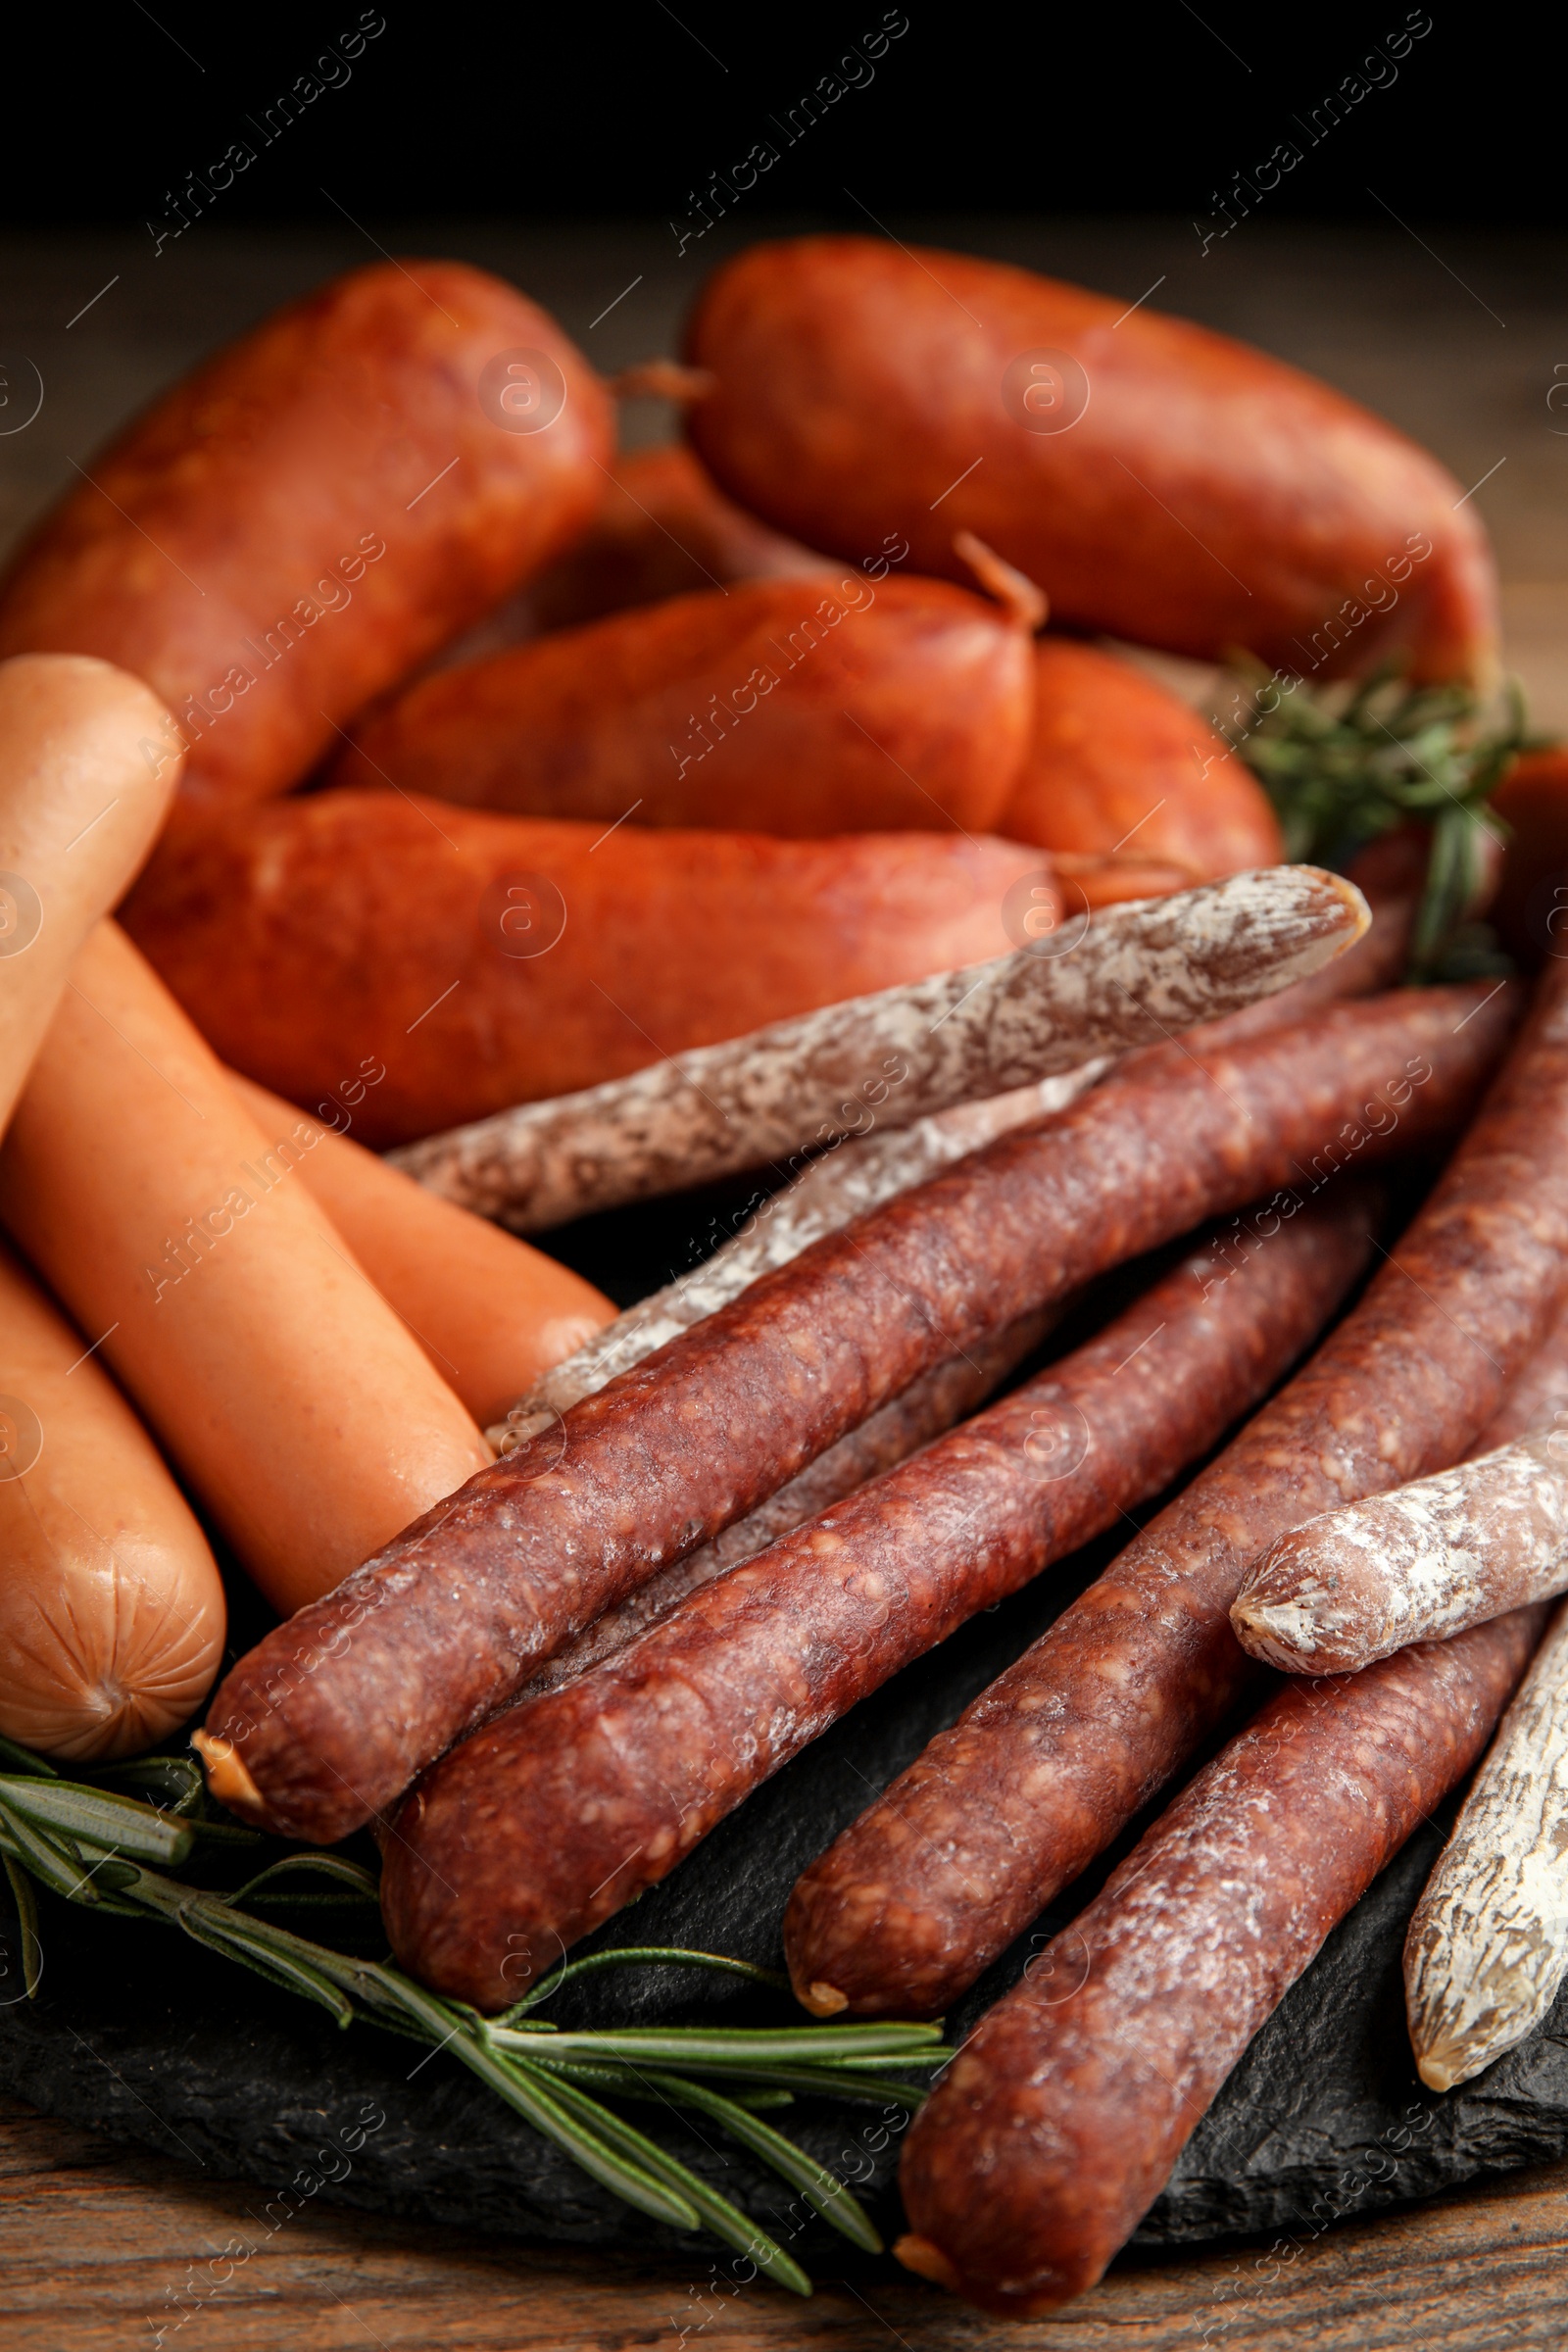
point(331, 1718)
point(547, 1821)
point(1056, 2126)
point(966, 1847)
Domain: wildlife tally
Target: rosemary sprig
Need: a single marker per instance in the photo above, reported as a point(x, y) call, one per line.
point(1345, 766)
point(111, 1850)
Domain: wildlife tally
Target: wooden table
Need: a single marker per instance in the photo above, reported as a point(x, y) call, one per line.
point(1461, 345)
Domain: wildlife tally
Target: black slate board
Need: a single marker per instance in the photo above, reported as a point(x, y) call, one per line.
point(153, 2040)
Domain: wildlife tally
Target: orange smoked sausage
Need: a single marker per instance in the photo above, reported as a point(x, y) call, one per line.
point(301, 521)
point(298, 1408)
point(829, 705)
point(1159, 482)
point(492, 1313)
point(111, 1605)
point(485, 961)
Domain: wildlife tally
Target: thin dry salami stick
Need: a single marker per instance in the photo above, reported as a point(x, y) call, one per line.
point(930, 1405)
point(1057, 2123)
point(1417, 1565)
point(329, 1718)
point(1487, 1945)
point(1001, 1811)
point(863, 1171)
point(1135, 974)
point(544, 1823)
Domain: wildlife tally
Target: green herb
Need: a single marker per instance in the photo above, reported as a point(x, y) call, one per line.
point(1345, 766)
point(102, 1847)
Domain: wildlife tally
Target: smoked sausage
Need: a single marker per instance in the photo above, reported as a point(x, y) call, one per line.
point(110, 1604)
point(911, 1903)
point(1159, 482)
point(828, 704)
point(567, 1808)
point(1118, 763)
point(328, 1720)
point(79, 808)
point(485, 961)
point(304, 1415)
point(1057, 2123)
point(299, 523)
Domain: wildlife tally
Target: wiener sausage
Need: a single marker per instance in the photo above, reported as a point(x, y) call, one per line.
point(1136, 974)
point(79, 808)
point(451, 1619)
point(110, 1604)
point(298, 523)
point(492, 1314)
point(1057, 2123)
point(1159, 482)
point(486, 960)
point(291, 1399)
point(828, 704)
point(1001, 1812)
point(549, 1820)
point(1116, 762)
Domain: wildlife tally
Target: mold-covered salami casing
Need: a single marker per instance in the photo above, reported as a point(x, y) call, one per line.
point(477, 962)
point(301, 521)
point(333, 1714)
point(906, 1909)
point(1158, 481)
point(556, 1815)
point(799, 706)
point(1057, 2125)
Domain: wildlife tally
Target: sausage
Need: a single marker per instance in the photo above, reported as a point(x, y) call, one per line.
point(548, 1821)
point(79, 808)
point(328, 1720)
point(1486, 1948)
point(865, 1170)
point(1057, 2125)
point(492, 1314)
point(486, 960)
point(110, 1604)
point(311, 513)
point(1159, 482)
point(1132, 976)
point(804, 706)
point(1531, 909)
point(947, 1393)
point(1418, 1565)
point(1539, 1395)
point(307, 1421)
point(663, 528)
point(1118, 763)
point(1003, 1810)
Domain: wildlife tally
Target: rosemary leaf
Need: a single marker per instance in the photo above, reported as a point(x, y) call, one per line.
point(745, 2045)
point(610, 2152)
point(23, 1759)
point(832, 2198)
point(656, 1954)
point(50, 1862)
point(350, 1875)
point(26, 1903)
point(116, 1824)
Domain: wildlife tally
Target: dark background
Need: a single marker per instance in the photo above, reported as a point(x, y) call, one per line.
point(587, 114)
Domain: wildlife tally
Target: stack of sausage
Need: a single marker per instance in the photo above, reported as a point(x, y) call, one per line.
point(751, 754)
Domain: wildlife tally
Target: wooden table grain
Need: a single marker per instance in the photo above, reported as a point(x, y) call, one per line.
point(102, 2248)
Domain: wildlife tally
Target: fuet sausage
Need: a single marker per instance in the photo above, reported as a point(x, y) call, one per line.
point(1057, 2123)
point(910, 1906)
point(451, 1619)
point(110, 1604)
point(828, 704)
point(298, 523)
point(1159, 482)
point(304, 1415)
point(79, 808)
point(492, 1314)
point(1116, 762)
point(486, 960)
point(1133, 977)
point(567, 1808)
